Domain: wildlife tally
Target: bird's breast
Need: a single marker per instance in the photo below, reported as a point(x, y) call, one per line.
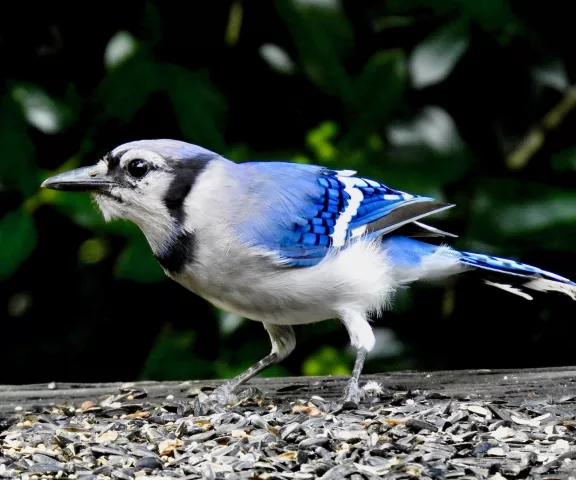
point(253, 284)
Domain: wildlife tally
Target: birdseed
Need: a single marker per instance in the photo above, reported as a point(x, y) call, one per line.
point(393, 434)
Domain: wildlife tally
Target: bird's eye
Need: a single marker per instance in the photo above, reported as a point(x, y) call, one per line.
point(138, 168)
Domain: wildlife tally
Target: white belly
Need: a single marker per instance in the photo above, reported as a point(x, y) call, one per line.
point(256, 288)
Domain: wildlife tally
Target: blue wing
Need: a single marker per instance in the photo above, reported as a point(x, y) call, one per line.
point(305, 210)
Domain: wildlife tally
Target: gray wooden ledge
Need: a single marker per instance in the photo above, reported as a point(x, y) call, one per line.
point(509, 384)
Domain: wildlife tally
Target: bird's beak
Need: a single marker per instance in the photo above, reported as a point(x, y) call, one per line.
point(86, 179)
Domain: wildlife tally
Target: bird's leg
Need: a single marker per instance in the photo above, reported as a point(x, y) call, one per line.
point(283, 342)
point(362, 338)
point(351, 395)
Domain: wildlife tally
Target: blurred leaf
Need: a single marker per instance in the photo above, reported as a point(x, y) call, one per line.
point(18, 238)
point(78, 206)
point(326, 4)
point(277, 58)
point(375, 143)
point(374, 96)
point(552, 74)
point(387, 342)
point(234, 23)
point(435, 57)
point(429, 144)
point(198, 106)
point(229, 322)
point(47, 114)
point(137, 263)
point(525, 211)
point(120, 48)
point(277, 370)
point(19, 304)
point(127, 87)
point(151, 26)
point(238, 153)
point(327, 361)
point(436, 7)
point(432, 128)
point(230, 364)
point(170, 358)
point(93, 250)
point(381, 80)
point(493, 15)
point(393, 21)
point(540, 214)
point(322, 37)
point(320, 141)
point(17, 167)
point(564, 160)
point(301, 159)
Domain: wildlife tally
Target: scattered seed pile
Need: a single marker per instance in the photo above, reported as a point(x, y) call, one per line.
point(394, 434)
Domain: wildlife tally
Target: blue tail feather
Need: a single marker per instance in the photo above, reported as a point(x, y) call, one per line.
point(510, 267)
point(413, 259)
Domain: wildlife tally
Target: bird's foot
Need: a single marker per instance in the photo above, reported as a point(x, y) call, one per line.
point(351, 397)
point(223, 395)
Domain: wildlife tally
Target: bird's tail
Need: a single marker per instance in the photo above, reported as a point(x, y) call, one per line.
point(417, 260)
point(515, 277)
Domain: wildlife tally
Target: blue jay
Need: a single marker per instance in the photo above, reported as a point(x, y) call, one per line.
point(284, 243)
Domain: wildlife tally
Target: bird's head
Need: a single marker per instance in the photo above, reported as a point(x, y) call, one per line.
point(146, 182)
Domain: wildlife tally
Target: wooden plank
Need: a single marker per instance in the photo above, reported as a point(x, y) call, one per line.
point(509, 384)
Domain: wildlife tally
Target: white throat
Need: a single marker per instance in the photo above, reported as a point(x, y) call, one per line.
point(152, 217)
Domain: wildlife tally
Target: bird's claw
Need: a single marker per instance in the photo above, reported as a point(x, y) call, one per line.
point(223, 395)
point(351, 398)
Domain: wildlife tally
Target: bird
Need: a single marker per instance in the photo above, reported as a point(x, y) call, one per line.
point(285, 243)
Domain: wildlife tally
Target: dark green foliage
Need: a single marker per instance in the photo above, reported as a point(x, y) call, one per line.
point(470, 102)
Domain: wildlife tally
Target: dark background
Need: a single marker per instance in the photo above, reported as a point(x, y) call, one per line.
point(470, 102)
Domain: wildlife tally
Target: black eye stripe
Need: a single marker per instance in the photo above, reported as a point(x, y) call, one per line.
point(111, 161)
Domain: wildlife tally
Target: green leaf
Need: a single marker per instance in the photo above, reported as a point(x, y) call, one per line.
point(323, 37)
point(47, 114)
point(137, 263)
point(277, 58)
point(435, 57)
point(433, 128)
point(435, 7)
point(494, 16)
point(514, 211)
point(428, 152)
point(119, 49)
point(172, 358)
point(78, 206)
point(93, 250)
point(128, 86)
point(320, 140)
point(198, 106)
point(376, 93)
point(551, 73)
point(17, 167)
point(538, 214)
point(327, 361)
point(151, 26)
point(564, 161)
point(234, 23)
point(18, 239)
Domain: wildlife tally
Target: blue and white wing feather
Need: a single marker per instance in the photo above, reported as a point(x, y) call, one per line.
point(307, 210)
